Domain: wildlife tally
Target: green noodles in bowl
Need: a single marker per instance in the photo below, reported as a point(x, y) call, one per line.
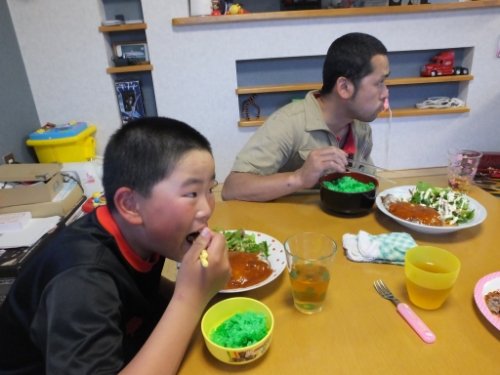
point(348, 184)
point(348, 192)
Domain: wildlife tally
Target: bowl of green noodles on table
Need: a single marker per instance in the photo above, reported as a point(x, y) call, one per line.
point(238, 330)
point(348, 192)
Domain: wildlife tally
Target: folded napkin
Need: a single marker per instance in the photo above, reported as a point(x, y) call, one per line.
point(383, 248)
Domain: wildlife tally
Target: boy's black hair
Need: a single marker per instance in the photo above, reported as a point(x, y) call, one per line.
point(145, 151)
point(350, 56)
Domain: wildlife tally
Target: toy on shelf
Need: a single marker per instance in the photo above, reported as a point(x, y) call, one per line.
point(234, 8)
point(250, 102)
point(443, 65)
point(216, 8)
point(440, 102)
point(97, 199)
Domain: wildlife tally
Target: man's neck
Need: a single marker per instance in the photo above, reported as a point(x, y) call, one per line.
point(334, 117)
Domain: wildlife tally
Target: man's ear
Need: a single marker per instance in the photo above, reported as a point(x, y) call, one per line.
point(127, 205)
point(344, 87)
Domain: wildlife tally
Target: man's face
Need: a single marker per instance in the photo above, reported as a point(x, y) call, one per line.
point(368, 100)
point(179, 205)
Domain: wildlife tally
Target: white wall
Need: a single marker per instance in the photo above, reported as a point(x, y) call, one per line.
point(66, 58)
point(195, 71)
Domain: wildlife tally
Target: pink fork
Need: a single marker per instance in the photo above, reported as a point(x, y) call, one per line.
point(407, 313)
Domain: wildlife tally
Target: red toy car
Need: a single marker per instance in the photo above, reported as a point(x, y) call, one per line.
point(442, 65)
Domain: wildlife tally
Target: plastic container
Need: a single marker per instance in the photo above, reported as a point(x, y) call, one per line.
point(58, 131)
point(56, 146)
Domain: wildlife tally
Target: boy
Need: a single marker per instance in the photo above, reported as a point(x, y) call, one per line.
point(308, 138)
point(89, 302)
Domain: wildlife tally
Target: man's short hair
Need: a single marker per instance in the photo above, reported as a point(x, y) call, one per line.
point(145, 151)
point(350, 56)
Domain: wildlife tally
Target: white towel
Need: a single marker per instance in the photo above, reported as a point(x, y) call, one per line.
point(384, 248)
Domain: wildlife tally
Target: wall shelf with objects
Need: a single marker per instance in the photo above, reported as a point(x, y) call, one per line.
point(264, 85)
point(124, 30)
point(329, 13)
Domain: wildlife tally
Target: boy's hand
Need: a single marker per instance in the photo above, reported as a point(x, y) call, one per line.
point(199, 283)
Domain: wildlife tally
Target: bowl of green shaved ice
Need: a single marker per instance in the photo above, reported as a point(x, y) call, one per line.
point(237, 330)
point(348, 192)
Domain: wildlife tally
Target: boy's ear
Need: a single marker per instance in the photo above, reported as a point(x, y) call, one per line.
point(344, 88)
point(127, 205)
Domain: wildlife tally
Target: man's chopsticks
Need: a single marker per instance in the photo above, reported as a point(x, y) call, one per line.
point(366, 164)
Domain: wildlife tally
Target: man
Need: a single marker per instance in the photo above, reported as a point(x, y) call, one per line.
point(306, 139)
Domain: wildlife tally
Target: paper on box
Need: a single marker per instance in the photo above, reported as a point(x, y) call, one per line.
point(35, 229)
point(14, 221)
point(89, 173)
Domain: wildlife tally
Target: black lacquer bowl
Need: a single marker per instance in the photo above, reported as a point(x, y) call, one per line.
point(347, 203)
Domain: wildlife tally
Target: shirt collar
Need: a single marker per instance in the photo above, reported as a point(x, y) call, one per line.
point(314, 116)
point(315, 121)
point(108, 222)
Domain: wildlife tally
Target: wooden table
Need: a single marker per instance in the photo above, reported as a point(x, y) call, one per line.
point(358, 332)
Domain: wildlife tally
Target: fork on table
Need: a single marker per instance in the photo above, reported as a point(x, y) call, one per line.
point(407, 313)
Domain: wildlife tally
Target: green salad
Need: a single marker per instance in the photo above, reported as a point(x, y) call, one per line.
point(453, 206)
point(239, 240)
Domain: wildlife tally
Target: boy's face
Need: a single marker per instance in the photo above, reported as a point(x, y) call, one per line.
point(368, 100)
point(179, 205)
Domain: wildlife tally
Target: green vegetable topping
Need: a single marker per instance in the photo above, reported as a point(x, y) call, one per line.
point(238, 240)
point(348, 184)
point(453, 206)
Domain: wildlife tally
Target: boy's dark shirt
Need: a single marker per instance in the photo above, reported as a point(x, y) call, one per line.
point(85, 303)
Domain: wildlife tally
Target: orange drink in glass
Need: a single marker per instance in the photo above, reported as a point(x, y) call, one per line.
point(309, 258)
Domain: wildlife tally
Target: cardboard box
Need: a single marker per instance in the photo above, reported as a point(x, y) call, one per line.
point(32, 183)
point(69, 196)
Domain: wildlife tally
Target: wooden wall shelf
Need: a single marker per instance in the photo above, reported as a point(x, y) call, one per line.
point(326, 13)
point(123, 28)
point(266, 89)
point(400, 112)
point(129, 69)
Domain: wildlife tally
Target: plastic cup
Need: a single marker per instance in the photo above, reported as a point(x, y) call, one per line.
point(430, 274)
point(309, 257)
point(462, 167)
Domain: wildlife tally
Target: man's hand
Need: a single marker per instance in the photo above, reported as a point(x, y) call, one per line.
point(320, 162)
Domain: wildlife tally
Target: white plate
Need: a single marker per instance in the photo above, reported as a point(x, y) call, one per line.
point(277, 260)
point(404, 193)
point(487, 284)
